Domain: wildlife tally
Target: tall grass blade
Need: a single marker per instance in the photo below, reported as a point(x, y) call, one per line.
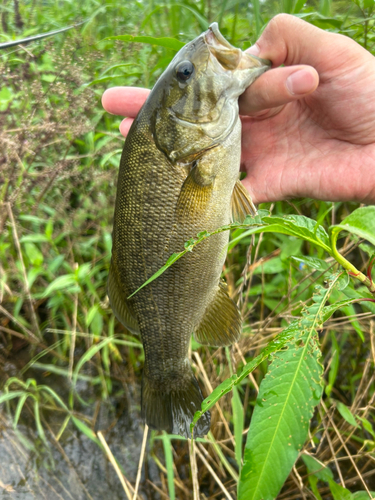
point(257, 18)
point(169, 464)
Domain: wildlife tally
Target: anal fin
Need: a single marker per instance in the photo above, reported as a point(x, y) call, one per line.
point(119, 304)
point(221, 323)
point(241, 203)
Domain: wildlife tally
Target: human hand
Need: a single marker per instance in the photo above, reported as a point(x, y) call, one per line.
point(298, 141)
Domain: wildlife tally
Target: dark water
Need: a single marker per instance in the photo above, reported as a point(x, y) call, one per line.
point(75, 467)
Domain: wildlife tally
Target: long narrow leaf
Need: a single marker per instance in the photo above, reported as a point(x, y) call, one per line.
point(34, 38)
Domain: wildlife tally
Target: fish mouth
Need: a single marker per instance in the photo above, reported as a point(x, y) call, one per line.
point(232, 58)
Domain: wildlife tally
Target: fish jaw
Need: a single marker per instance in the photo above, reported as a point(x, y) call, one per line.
point(245, 68)
point(199, 113)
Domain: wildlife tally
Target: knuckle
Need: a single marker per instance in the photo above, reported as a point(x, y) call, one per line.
point(280, 20)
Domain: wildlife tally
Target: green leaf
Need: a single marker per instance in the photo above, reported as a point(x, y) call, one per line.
point(60, 283)
point(361, 222)
point(338, 492)
point(34, 238)
point(7, 396)
point(286, 400)
point(86, 430)
point(18, 411)
point(33, 253)
point(294, 225)
point(228, 384)
point(88, 355)
point(38, 422)
point(363, 495)
point(169, 43)
point(317, 468)
point(302, 227)
point(314, 262)
point(367, 426)
point(346, 414)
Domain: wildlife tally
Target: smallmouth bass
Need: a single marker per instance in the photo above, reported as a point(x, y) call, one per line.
point(179, 175)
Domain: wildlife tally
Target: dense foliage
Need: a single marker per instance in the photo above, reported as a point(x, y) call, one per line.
point(59, 155)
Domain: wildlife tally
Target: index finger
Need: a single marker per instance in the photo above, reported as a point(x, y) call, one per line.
point(124, 101)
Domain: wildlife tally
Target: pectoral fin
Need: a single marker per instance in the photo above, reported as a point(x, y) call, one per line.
point(195, 194)
point(119, 304)
point(221, 323)
point(241, 203)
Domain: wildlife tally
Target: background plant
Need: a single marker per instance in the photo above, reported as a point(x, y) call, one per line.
point(59, 156)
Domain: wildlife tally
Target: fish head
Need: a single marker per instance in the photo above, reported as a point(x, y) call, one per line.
point(198, 94)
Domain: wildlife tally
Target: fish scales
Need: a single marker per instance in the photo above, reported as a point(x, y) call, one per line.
point(179, 176)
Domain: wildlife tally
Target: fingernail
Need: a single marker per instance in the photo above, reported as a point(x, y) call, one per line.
point(300, 82)
point(253, 50)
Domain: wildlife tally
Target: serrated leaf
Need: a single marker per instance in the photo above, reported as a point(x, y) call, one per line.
point(302, 227)
point(361, 222)
point(286, 400)
point(227, 385)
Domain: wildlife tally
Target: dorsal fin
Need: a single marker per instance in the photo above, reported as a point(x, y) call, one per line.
point(241, 203)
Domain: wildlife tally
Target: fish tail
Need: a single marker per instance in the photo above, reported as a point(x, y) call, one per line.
point(173, 410)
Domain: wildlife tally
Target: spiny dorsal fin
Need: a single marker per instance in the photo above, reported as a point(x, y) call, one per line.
point(119, 304)
point(221, 323)
point(241, 203)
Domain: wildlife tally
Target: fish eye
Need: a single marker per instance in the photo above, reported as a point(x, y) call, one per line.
point(184, 71)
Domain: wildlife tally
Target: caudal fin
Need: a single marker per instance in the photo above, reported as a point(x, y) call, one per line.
point(173, 410)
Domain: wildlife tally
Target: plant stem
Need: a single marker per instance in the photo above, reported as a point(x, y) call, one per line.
point(353, 271)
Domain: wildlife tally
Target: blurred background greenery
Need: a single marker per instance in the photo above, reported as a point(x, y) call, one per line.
point(59, 155)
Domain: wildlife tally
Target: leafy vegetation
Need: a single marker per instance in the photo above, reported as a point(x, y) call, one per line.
point(59, 157)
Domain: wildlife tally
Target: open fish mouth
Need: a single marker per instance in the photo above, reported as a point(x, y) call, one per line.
point(231, 58)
